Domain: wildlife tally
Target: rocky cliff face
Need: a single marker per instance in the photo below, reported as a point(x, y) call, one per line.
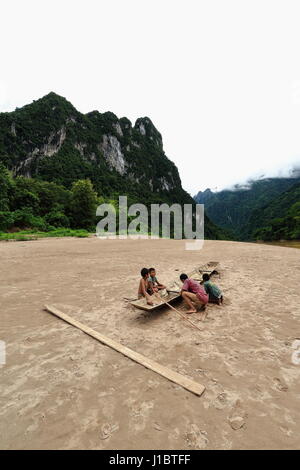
point(52, 145)
point(50, 138)
point(112, 152)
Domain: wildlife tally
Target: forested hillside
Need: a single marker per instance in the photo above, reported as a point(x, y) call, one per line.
point(244, 209)
point(53, 152)
point(280, 219)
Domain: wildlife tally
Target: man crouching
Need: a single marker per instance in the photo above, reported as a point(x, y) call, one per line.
point(193, 293)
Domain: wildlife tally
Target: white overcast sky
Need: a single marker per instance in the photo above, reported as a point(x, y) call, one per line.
point(219, 79)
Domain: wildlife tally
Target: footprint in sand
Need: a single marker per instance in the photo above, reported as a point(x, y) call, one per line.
point(288, 432)
point(280, 385)
point(107, 430)
point(140, 415)
point(221, 401)
point(196, 438)
point(237, 417)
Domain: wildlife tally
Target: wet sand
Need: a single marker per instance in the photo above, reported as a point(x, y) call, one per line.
point(289, 243)
point(61, 389)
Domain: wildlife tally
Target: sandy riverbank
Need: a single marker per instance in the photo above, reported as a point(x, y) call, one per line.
point(62, 389)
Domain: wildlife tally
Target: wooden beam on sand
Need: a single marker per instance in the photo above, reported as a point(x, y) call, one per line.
point(179, 379)
point(184, 317)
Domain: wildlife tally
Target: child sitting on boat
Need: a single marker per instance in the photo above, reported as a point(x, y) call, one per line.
point(154, 284)
point(145, 290)
point(213, 291)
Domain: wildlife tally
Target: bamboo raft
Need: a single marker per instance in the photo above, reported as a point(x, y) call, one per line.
point(172, 291)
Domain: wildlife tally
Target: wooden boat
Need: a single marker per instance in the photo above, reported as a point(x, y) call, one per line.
point(172, 292)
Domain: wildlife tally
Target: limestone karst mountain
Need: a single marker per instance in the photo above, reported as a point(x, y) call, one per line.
point(50, 140)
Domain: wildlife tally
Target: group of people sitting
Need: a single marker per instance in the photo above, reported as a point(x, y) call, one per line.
point(193, 293)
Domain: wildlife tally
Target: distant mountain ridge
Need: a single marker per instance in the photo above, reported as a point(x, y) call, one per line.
point(233, 209)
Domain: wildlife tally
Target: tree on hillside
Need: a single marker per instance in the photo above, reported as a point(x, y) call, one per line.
point(24, 195)
point(83, 204)
point(294, 210)
point(6, 185)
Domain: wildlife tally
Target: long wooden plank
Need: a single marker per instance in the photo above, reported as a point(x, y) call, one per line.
point(179, 379)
